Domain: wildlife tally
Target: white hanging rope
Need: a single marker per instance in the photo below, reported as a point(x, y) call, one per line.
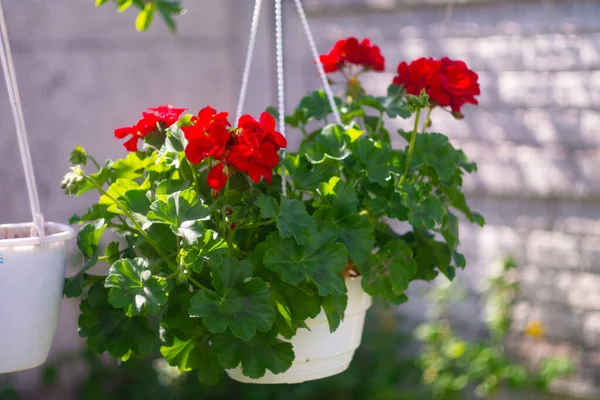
point(315, 55)
point(249, 55)
point(280, 81)
point(15, 102)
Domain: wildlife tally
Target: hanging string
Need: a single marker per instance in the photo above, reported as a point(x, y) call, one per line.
point(315, 55)
point(280, 82)
point(249, 56)
point(447, 17)
point(15, 103)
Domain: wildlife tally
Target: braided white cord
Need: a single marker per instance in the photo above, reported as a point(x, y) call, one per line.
point(280, 81)
point(280, 76)
point(15, 103)
point(315, 55)
point(249, 55)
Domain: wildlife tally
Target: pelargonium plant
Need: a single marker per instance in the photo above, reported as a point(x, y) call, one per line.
point(215, 263)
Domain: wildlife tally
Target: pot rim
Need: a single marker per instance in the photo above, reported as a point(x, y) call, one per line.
point(64, 233)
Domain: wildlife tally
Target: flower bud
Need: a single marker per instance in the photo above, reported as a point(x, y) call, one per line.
point(78, 156)
point(73, 181)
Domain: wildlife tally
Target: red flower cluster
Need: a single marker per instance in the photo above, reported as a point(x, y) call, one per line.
point(447, 82)
point(166, 114)
point(252, 147)
point(351, 51)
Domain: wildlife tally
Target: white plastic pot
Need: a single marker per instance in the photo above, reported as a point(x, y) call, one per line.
point(31, 285)
point(320, 353)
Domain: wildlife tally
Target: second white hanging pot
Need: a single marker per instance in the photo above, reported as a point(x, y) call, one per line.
point(320, 353)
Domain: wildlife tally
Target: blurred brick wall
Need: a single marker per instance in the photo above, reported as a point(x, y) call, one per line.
point(535, 135)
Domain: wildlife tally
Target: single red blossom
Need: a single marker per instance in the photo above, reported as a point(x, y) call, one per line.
point(166, 114)
point(232, 226)
point(257, 146)
point(208, 137)
point(448, 83)
point(217, 179)
point(351, 51)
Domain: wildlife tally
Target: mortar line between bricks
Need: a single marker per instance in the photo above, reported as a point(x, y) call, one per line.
point(85, 45)
point(358, 9)
point(518, 196)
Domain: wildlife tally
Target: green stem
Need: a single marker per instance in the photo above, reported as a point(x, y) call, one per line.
point(379, 124)
point(269, 222)
point(194, 176)
point(427, 120)
point(95, 162)
point(411, 146)
point(130, 216)
point(195, 282)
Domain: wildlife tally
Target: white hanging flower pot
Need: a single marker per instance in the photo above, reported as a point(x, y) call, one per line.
point(31, 285)
point(320, 353)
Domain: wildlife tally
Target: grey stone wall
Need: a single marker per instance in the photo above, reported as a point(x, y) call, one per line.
point(535, 135)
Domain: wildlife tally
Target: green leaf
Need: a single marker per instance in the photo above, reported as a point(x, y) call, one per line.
point(134, 288)
point(354, 132)
point(290, 216)
point(209, 248)
point(167, 9)
point(240, 303)
point(422, 213)
point(130, 167)
point(431, 254)
point(89, 236)
point(371, 102)
point(108, 329)
point(192, 354)
point(144, 18)
point(172, 150)
point(458, 201)
point(176, 316)
point(450, 230)
point(95, 212)
point(352, 229)
point(330, 144)
point(303, 176)
point(256, 355)
point(293, 306)
point(340, 196)
point(78, 156)
point(179, 207)
point(434, 150)
point(74, 285)
point(123, 5)
point(375, 159)
point(112, 253)
point(191, 231)
point(129, 194)
point(98, 3)
point(321, 260)
point(334, 306)
point(389, 272)
point(394, 104)
point(315, 105)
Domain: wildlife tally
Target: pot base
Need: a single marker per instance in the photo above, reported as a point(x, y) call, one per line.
point(300, 373)
point(320, 353)
point(31, 284)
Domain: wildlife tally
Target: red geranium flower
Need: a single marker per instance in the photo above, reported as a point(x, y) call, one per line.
point(448, 83)
point(166, 114)
point(257, 145)
point(351, 51)
point(216, 177)
point(208, 137)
